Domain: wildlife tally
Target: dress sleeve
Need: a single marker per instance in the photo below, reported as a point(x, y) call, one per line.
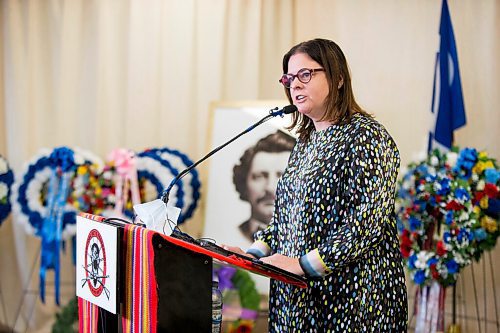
point(263, 240)
point(369, 176)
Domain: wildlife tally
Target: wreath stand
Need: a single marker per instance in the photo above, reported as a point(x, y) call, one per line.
point(484, 320)
point(28, 291)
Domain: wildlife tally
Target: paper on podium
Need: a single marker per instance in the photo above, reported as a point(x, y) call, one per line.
point(158, 216)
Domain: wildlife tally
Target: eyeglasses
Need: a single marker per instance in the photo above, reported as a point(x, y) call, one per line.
point(304, 75)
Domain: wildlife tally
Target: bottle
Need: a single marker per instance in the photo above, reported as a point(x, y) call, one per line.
point(216, 308)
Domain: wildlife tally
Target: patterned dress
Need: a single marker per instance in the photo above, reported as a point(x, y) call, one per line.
point(335, 211)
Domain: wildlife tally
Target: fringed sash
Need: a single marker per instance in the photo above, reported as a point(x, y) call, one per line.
point(88, 316)
point(141, 297)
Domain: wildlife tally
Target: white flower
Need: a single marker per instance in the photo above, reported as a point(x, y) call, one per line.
point(474, 177)
point(108, 175)
point(443, 271)
point(3, 190)
point(480, 185)
point(464, 216)
point(3, 166)
point(451, 158)
point(78, 159)
point(422, 258)
point(434, 160)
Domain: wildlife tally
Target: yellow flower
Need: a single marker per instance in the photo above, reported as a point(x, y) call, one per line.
point(489, 224)
point(477, 210)
point(81, 170)
point(482, 155)
point(481, 166)
point(484, 202)
point(98, 191)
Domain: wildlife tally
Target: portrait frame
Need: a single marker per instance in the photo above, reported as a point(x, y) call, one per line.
point(224, 211)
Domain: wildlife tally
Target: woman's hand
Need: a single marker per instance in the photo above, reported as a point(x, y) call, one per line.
point(287, 263)
point(237, 249)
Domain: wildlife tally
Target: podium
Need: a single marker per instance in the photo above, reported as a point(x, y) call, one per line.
point(182, 270)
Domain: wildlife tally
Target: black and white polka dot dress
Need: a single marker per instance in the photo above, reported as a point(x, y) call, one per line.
point(335, 211)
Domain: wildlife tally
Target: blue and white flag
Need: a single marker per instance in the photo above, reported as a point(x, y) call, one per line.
point(447, 99)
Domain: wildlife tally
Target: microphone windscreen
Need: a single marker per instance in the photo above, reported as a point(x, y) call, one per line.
point(289, 109)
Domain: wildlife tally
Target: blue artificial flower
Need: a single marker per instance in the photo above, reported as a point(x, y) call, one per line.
point(446, 237)
point(422, 169)
point(419, 277)
point(431, 261)
point(493, 207)
point(492, 175)
point(480, 234)
point(463, 234)
point(465, 162)
point(462, 194)
point(414, 223)
point(449, 217)
point(452, 266)
point(63, 157)
point(445, 186)
point(411, 261)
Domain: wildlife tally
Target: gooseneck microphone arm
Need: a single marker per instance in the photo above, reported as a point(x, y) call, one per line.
point(272, 113)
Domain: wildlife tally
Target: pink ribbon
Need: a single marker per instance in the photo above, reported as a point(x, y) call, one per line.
point(124, 162)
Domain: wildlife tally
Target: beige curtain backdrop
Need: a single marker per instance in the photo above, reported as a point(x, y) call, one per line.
point(101, 74)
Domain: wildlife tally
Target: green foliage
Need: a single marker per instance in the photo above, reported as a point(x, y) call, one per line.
point(249, 296)
point(67, 318)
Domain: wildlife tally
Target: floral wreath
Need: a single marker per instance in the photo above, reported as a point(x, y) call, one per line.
point(6, 180)
point(189, 186)
point(29, 192)
point(448, 213)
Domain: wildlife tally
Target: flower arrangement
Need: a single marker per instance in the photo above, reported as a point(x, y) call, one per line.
point(6, 180)
point(188, 188)
point(30, 192)
point(246, 312)
point(448, 213)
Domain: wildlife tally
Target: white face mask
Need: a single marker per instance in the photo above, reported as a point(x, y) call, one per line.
point(158, 216)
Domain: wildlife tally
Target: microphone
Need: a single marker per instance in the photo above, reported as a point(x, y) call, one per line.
point(272, 113)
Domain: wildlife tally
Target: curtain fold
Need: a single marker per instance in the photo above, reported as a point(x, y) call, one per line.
point(103, 74)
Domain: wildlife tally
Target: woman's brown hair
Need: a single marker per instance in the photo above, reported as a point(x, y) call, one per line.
point(340, 103)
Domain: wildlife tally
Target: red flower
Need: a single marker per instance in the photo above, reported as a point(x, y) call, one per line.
point(478, 196)
point(405, 250)
point(440, 250)
point(453, 205)
point(438, 198)
point(435, 274)
point(491, 190)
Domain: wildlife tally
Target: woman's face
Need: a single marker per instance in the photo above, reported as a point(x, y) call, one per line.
point(309, 97)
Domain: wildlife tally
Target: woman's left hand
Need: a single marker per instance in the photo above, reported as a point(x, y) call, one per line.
point(287, 263)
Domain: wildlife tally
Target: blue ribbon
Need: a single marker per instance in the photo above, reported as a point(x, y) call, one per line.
point(62, 159)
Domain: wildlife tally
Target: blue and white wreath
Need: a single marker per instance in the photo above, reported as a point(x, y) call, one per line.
point(29, 192)
point(187, 190)
point(6, 180)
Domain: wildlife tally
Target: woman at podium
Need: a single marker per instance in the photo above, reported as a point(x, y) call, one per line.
point(334, 218)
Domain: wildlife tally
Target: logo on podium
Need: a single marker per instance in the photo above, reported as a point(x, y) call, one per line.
point(96, 263)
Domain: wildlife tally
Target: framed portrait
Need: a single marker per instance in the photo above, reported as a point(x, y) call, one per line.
point(242, 177)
